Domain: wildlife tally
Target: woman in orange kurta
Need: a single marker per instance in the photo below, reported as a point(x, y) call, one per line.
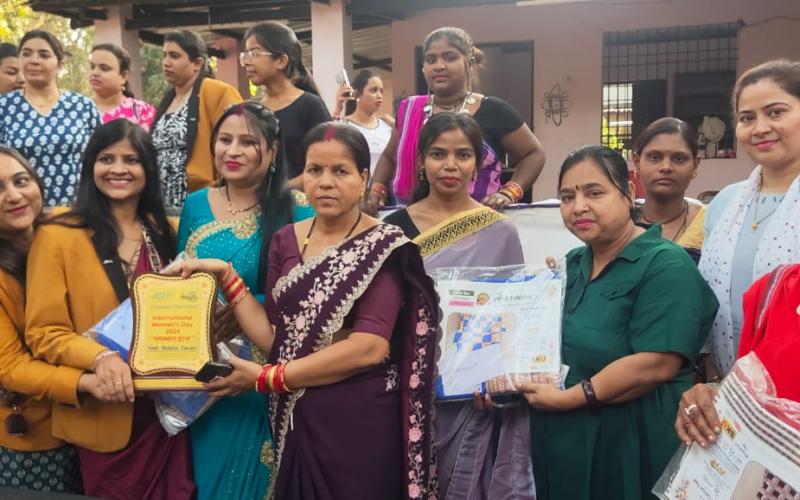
point(80, 265)
point(27, 385)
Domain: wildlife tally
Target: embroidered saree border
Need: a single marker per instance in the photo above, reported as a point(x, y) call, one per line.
point(343, 258)
point(456, 228)
point(241, 229)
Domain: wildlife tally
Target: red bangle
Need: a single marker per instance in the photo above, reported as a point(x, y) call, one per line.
point(240, 297)
point(271, 378)
point(227, 272)
point(261, 380)
point(226, 287)
point(238, 292)
point(514, 189)
point(234, 291)
point(280, 382)
point(379, 189)
point(515, 185)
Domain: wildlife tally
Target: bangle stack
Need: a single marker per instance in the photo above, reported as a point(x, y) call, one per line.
point(234, 288)
point(380, 190)
point(512, 191)
point(271, 379)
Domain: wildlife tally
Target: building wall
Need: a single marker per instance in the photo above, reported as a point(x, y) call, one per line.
point(568, 40)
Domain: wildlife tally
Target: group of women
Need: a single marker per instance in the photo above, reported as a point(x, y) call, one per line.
point(332, 394)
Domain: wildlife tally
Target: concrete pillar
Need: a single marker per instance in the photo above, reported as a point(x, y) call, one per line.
point(332, 47)
point(229, 70)
point(112, 30)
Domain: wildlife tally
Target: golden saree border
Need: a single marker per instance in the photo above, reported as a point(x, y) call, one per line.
point(694, 234)
point(241, 229)
point(456, 228)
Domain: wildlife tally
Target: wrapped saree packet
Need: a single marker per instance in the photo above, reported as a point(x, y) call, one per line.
point(500, 326)
point(757, 454)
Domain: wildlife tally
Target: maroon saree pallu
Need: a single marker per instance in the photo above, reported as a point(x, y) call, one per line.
point(371, 432)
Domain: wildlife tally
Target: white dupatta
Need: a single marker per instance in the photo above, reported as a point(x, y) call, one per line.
point(779, 244)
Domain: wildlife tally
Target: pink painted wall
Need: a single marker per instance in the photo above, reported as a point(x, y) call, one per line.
point(112, 30)
point(568, 46)
point(228, 69)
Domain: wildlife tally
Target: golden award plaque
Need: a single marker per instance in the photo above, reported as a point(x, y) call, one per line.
point(171, 330)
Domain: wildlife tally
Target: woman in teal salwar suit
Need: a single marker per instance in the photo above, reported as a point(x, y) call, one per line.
point(231, 443)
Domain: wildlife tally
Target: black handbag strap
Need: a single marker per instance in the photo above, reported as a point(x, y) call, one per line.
point(113, 268)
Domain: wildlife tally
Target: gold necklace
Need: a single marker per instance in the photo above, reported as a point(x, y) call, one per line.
point(756, 220)
point(235, 211)
point(48, 103)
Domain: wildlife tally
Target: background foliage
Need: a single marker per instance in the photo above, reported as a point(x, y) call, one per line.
point(16, 18)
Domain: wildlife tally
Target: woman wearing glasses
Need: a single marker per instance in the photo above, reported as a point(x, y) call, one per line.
point(274, 58)
point(185, 117)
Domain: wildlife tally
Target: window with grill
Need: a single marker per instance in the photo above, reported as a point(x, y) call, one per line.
point(687, 72)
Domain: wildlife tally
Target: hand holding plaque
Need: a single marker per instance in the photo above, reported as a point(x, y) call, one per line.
point(172, 320)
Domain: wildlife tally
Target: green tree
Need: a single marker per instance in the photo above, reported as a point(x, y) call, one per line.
point(153, 82)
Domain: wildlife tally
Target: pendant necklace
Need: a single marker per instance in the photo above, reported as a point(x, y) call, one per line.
point(757, 201)
point(236, 211)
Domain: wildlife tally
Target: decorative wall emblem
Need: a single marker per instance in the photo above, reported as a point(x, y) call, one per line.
point(556, 105)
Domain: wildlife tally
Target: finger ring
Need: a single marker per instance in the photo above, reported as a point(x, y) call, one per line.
point(689, 409)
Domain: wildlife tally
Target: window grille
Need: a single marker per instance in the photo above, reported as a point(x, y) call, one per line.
point(640, 84)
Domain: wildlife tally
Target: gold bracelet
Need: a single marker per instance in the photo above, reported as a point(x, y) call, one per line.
point(100, 357)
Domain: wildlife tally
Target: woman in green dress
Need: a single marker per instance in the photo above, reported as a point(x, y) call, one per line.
point(636, 312)
point(231, 443)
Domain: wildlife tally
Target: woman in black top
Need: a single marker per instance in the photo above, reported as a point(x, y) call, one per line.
point(273, 57)
point(450, 65)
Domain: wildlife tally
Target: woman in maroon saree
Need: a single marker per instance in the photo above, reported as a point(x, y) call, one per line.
point(351, 326)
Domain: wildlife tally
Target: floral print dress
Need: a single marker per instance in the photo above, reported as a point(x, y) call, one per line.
point(53, 143)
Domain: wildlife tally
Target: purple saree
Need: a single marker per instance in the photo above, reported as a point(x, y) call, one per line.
point(480, 455)
point(369, 436)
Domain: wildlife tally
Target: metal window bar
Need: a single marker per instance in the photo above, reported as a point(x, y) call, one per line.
point(657, 54)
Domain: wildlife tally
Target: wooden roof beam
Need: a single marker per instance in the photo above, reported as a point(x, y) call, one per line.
point(215, 16)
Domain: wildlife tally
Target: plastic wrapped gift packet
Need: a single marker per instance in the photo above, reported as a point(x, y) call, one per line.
point(115, 331)
point(757, 454)
point(500, 326)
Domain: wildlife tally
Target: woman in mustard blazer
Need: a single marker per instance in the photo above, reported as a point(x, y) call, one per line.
point(186, 115)
point(79, 269)
point(27, 385)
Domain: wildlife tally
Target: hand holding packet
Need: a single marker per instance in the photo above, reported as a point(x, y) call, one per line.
point(757, 454)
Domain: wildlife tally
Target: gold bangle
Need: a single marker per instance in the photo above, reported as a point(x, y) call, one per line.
point(100, 357)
